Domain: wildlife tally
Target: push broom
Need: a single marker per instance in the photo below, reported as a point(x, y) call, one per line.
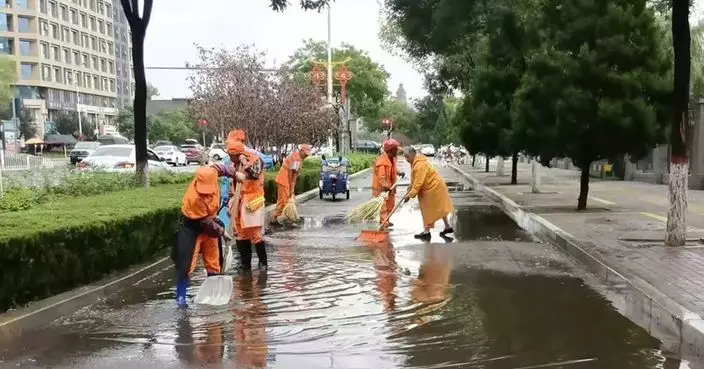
point(379, 235)
point(369, 210)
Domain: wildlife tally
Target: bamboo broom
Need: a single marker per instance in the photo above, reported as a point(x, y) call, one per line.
point(289, 212)
point(370, 210)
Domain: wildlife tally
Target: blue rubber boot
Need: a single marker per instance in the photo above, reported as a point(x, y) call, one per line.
point(181, 286)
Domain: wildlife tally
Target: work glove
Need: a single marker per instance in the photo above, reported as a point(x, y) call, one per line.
point(406, 198)
point(384, 195)
point(240, 177)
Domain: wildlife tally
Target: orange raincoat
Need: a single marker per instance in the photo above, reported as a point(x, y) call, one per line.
point(286, 181)
point(433, 197)
point(250, 325)
point(383, 177)
point(248, 215)
point(200, 206)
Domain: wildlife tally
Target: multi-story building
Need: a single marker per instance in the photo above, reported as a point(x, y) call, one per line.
point(68, 57)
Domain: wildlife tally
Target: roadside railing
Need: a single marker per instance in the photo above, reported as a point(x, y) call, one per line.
point(21, 162)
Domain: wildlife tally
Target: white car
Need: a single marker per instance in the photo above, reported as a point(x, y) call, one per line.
point(427, 150)
point(119, 158)
point(217, 151)
point(171, 155)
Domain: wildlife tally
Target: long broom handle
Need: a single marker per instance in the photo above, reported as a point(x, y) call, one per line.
point(390, 214)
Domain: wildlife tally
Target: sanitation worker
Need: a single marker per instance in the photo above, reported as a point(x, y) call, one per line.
point(286, 178)
point(200, 231)
point(383, 178)
point(248, 213)
point(430, 188)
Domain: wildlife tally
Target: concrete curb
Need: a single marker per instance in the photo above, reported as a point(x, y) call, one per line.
point(681, 330)
point(43, 312)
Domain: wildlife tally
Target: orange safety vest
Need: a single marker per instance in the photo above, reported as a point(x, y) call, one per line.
point(195, 205)
point(383, 175)
point(282, 176)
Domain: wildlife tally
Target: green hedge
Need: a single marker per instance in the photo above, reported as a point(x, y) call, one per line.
point(65, 241)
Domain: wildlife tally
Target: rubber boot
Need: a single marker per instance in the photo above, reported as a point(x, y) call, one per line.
point(244, 247)
point(260, 248)
point(181, 287)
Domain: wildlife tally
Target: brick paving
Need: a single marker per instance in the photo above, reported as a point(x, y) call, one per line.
point(624, 224)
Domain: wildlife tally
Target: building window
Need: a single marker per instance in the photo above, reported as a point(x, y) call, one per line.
point(22, 4)
point(74, 16)
point(103, 46)
point(67, 56)
point(44, 28)
point(108, 9)
point(53, 9)
point(85, 40)
point(112, 85)
point(55, 53)
point(101, 8)
point(109, 29)
point(68, 76)
point(25, 48)
point(86, 61)
point(76, 58)
point(111, 66)
point(101, 26)
point(55, 31)
point(57, 75)
point(87, 79)
point(79, 78)
point(64, 13)
point(104, 86)
point(93, 27)
point(84, 20)
point(66, 34)
point(110, 48)
point(103, 65)
point(6, 22)
point(23, 24)
point(45, 50)
point(46, 73)
point(76, 37)
point(94, 62)
point(43, 6)
point(94, 43)
point(26, 71)
point(92, 5)
point(96, 82)
point(7, 46)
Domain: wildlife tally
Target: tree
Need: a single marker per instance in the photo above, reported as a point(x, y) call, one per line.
point(602, 68)
point(28, 126)
point(8, 77)
point(175, 125)
point(138, 27)
point(124, 122)
point(403, 118)
point(230, 91)
point(367, 88)
point(151, 91)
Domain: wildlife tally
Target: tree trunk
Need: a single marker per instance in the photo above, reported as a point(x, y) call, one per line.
point(676, 233)
point(535, 183)
point(474, 160)
point(500, 166)
point(583, 186)
point(514, 168)
point(140, 105)
point(486, 164)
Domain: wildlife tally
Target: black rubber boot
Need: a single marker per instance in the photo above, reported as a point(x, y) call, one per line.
point(244, 247)
point(260, 248)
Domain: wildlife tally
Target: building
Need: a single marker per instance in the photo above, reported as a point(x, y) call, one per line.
point(401, 95)
point(156, 106)
point(71, 55)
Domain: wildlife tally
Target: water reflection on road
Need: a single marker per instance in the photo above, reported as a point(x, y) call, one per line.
point(490, 299)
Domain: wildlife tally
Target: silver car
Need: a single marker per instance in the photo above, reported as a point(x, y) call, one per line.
point(119, 158)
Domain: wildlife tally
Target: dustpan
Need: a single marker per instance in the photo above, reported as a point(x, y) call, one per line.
point(215, 291)
point(227, 264)
point(378, 235)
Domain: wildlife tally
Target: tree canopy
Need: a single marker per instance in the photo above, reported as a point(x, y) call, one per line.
point(367, 89)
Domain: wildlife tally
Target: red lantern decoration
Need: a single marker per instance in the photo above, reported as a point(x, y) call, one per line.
point(203, 122)
point(316, 75)
point(343, 75)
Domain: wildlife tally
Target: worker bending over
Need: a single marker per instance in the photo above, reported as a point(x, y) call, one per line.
point(286, 178)
point(384, 176)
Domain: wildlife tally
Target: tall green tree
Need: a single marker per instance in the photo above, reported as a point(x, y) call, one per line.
point(28, 125)
point(175, 125)
point(8, 77)
point(402, 116)
point(124, 122)
point(603, 70)
point(367, 88)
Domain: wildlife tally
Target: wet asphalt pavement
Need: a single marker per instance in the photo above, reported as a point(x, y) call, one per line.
point(491, 298)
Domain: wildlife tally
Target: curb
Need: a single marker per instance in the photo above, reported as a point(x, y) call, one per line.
point(681, 330)
point(40, 313)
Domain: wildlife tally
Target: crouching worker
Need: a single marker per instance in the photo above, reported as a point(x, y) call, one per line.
point(248, 213)
point(199, 231)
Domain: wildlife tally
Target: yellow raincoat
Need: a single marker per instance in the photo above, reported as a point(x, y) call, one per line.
point(433, 197)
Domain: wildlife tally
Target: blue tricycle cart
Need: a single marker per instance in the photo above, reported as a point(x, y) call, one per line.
point(333, 178)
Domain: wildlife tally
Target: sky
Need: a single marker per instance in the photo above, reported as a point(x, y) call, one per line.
point(176, 25)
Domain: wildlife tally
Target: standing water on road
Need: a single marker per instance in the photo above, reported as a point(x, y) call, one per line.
point(492, 298)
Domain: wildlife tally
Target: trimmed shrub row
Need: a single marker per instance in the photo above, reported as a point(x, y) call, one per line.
point(51, 247)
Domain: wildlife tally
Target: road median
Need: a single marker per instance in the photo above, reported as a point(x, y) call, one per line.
point(594, 239)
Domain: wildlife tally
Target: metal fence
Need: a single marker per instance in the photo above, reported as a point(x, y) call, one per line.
point(11, 162)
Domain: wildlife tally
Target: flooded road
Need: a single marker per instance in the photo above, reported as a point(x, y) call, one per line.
point(491, 298)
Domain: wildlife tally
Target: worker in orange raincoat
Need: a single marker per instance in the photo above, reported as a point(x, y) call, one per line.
point(430, 188)
point(199, 230)
point(286, 178)
point(251, 346)
point(383, 178)
point(248, 213)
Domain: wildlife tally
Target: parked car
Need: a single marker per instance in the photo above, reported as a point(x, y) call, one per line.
point(119, 158)
point(195, 153)
point(163, 143)
point(82, 150)
point(172, 155)
point(217, 151)
point(112, 140)
point(268, 160)
point(427, 150)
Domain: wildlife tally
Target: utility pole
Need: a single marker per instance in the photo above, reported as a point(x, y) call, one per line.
point(78, 102)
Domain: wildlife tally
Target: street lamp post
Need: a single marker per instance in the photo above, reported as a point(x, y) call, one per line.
point(330, 99)
point(78, 103)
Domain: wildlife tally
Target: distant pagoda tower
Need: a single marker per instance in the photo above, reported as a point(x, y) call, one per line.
point(401, 94)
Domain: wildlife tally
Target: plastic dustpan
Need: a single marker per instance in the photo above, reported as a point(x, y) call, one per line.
point(215, 291)
point(380, 235)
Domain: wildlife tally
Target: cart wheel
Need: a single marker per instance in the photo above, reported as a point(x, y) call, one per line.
point(320, 193)
point(347, 194)
point(333, 196)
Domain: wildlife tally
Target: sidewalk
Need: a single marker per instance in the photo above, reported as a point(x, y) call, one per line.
point(620, 237)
